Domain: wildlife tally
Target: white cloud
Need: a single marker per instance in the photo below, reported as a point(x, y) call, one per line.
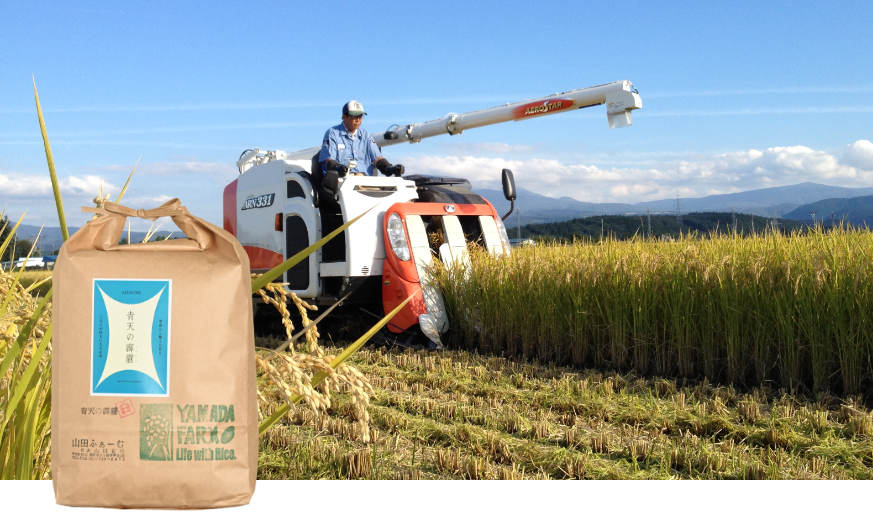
point(28, 186)
point(146, 202)
point(87, 185)
point(859, 154)
point(726, 172)
point(619, 191)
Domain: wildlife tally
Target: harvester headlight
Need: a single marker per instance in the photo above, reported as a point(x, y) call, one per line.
point(504, 237)
point(397, 237)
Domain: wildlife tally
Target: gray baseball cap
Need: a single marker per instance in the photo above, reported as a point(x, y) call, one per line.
point(353, 108)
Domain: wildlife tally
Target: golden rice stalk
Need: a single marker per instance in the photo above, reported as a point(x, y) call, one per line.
point(51, 165)
point(279, 302)
point(25, 377)
point(328, 374)
point(127, 183)
point(293, 374)
point(151, 231)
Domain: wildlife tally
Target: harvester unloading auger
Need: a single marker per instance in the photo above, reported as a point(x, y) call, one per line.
point(276, 208)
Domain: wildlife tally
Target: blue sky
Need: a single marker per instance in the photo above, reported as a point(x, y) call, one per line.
point(736, 96)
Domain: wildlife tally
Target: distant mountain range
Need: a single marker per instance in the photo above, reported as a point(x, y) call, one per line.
point(857, 211)
point(536, 208)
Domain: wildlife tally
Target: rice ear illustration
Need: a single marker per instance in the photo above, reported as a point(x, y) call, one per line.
point(156, 431)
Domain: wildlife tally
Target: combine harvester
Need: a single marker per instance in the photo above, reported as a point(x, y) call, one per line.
point(278, 207)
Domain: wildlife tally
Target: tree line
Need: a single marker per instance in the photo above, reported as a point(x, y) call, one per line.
point(662, 226)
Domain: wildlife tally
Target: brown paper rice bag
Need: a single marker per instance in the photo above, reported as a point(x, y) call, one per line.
point(153, 393)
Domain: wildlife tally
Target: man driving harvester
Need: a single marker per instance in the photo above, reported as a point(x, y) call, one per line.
point(348, 148)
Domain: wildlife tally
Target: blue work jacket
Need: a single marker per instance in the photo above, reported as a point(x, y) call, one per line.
point(340, 146)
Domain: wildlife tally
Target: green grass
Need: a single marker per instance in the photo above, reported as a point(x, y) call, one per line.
point(456, 415)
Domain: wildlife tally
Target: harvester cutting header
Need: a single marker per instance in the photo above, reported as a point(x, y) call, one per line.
point(283, 202)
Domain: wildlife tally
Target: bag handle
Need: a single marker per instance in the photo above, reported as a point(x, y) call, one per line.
point(109, 224)
point(169, 209)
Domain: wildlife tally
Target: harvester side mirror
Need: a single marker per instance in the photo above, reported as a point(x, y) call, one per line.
point(508, 185)
point(508, 190)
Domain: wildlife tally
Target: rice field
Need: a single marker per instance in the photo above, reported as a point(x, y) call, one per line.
point(38, 278)
point(457, 415)
point(792, 311)
point(634, 402)
point(25, 378)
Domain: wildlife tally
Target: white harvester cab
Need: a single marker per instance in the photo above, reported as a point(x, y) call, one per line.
point(279, 212)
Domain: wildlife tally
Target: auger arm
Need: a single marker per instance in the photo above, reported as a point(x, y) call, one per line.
point(621, 98)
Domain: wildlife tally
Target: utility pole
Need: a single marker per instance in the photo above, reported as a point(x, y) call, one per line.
point(649, 215)
point(601, 228)
point(832, 220)
point(518, 221)
point(678, 211)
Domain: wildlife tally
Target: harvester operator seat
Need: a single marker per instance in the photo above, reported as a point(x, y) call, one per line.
point(315, 177)
point(331, 215)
